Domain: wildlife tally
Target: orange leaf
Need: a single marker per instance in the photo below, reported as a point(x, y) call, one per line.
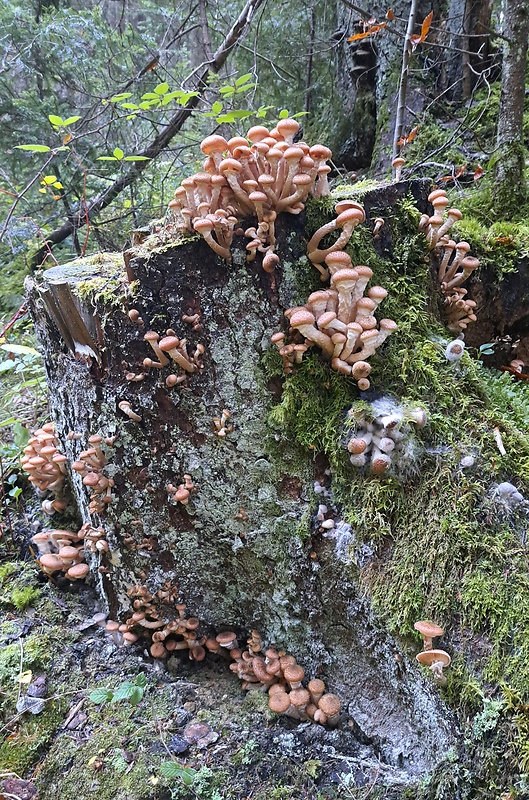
point(390, 15)
point(478, 173)
point(413, 133)
point(67, 138)
point(358, 36)
point(504, 239)
point(460, 171)
point(445, 179)
point(417, 39)
point(401, 142)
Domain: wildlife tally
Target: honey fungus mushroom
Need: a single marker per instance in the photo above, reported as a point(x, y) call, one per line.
point(429, 631)
point(436, 660)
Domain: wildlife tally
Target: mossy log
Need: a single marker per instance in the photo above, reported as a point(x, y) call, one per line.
point(245, 551)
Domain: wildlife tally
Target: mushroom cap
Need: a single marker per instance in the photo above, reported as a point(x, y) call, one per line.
point(464, 246)
point(380, 464)
point(257, 133)
point(168, 343)
point(429, 657)
point(299, 697)
point(230, 165)
point(77, 572)
point(287, 127)
point(398, 161)
point(226, 638)
point(455, 213)
point(319, 152)
point(338, 259)
point(214, 144)
point(468, 263)
point(52, 562)
point(202, 225)
point(330, 704)
point(436, 194)
point(351, 215)
point(293, 673)
point(356, 446)
point(428, 629)
point(316, 686)
point(344, 276)
point(258, 197)
point(112, 626)
point(279, 702)
point(302, 317)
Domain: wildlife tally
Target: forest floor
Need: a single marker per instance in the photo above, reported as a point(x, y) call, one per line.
point(194, 733)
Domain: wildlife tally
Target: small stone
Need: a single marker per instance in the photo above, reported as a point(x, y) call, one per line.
point(178, 745)
point(189, 707)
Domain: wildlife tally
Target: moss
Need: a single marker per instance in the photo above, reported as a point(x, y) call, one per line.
point(444, 548)
point(17, 585)
point(22, 747)
point(22, 598)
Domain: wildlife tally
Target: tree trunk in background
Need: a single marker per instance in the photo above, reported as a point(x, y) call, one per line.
point(467, 25)
point(510, 189)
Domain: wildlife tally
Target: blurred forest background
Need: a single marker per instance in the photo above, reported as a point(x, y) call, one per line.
point(103, 104)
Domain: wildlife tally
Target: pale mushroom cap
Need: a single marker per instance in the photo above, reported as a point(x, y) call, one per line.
point(302, 317)
point(330, 704)
point(257, 133)
point(398, 161)
point(168, 343)
point(287, 127)
point(429, 657)
point(77, 572)
point(429, 629)
point(52, 562)
point(214, 144)
point(436, 194)
point(226, 638)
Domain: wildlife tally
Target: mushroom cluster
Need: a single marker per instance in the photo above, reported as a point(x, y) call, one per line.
point(260, 175)
point(182, 492)
point(220, 424)
point(46, 467)
point(61, 551)
point(455, 265)
point(89, 466)
point(436, 660)
point(349, 214)
point(340, 321)
point(170, 350)
point(383, 440)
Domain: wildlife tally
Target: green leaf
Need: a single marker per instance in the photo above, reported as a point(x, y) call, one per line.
point(20, 435)
point(283, 114)
point(171, 770)
point(101, 695)
point(162, 88)
point(118, 97)
point(227, 90)
point(33, 148)
point(184, 99)
point(300, 114)
point(70, 121)
point(129, 106)
point(136, 696)
point(140, 679)
point(225, 118)
point(150, 96)
point(217, 107)
point(19, 349)
point(106, 158)
point(188, 776)
point(147, 104)
point(136, 158)
point(49, 179)
point(6, 366)
point(123, 692)
point(55, 120)
point(118, 153)
point(243, 79)
point(246, 87)
point(58, 185)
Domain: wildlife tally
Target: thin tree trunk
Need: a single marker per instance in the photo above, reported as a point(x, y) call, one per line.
point(198, 82)
point(310, 61)
point(406, 55)
point(510, 187)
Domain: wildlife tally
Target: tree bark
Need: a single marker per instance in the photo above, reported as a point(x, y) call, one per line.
point(245, 552)
point(510, 189)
